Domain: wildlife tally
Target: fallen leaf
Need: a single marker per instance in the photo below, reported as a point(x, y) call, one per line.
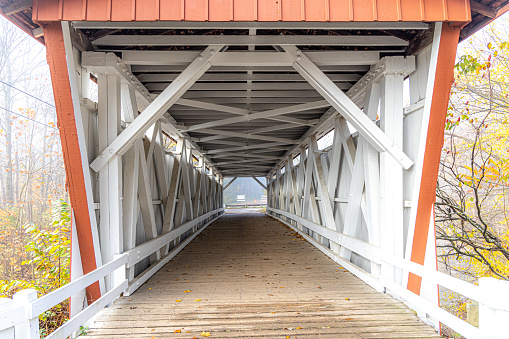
point(177, 331)
point(150, 288)
point(205, 334)
point(152, 330)
point(197, 299)
point(298, 328)
point(178, 300)
point(347, 298)
point(187, 291)
point(176, 280)
point(348, 319)
point(188, 266)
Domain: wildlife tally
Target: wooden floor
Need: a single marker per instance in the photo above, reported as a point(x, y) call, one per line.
point(249, 276)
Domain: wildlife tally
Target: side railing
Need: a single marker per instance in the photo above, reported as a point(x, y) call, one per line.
point(19, 316)
point(492, 294)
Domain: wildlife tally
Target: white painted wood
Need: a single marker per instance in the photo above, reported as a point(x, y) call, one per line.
point(171, 206)
point(243, 40)
point(232, 59)
point(259, 182)
point(79, 299)
point(422, 89)
point(109, 63)
point(494, 314)
point(391, 174)
point(157, 108)
point(261, 115)
point(10, 316)
point(145, 199)
point(29, 327)
point(326, 205)
point(55, 297)
point(341, 102)
point(73, 324)
point(81, 135)
point(110, 176)
point(236, 77)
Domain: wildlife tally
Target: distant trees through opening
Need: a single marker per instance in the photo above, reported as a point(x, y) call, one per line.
point(245, 191)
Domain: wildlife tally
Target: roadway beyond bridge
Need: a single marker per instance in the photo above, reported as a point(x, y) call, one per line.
point(250, 276)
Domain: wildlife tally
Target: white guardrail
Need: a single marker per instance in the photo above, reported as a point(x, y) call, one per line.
point(19, 316)
point(492, 294)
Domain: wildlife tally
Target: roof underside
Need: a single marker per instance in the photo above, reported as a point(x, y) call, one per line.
point(158, 51)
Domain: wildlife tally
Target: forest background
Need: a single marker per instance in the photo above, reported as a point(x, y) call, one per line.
point(472, 209)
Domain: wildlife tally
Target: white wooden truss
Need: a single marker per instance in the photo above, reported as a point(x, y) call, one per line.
point(251, 112)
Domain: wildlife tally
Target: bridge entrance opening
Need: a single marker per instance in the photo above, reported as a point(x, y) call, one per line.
point(192, 92)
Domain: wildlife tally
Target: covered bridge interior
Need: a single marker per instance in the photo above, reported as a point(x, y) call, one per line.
point(158, 102)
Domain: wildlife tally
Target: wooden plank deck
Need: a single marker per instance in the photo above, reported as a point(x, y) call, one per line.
point(249, 276)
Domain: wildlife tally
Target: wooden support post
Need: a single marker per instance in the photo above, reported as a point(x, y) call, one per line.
point(440, 79)
point(391, 173)
point(110, 176)
point(70, 124)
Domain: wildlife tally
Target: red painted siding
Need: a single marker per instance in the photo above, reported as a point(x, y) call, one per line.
point(252, 10)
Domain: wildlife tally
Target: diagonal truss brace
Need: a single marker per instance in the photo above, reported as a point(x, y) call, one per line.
point(258, 181)
point(229, 183)
point(345, 106)
point(158, 107)
point(261, 115)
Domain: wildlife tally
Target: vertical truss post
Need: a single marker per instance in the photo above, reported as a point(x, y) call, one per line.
point(110, 176)
point(391, 173)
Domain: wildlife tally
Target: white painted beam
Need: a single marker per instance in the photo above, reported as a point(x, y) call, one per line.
point(236, 77)
point(229, 86)
point(259, 182)
point(261, 115)
point(157, 108)
point(236, 110)
point(343, 104)
point(229, 183)
point(250, 147)
point(247, 59)
point(247, 136)
point(244, 40)
point(109, 63)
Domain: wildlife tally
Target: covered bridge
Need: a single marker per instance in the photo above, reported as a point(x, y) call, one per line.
point(158, 101)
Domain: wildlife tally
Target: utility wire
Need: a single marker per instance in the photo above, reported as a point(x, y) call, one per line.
point(24, 116)
point(30, 95)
